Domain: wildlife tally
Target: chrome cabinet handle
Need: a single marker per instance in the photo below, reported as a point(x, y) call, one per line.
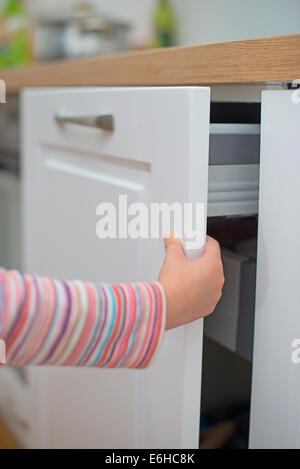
point(104, 122)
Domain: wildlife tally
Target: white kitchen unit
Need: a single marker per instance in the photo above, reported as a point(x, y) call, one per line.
point(156, 151)
point(275, 409)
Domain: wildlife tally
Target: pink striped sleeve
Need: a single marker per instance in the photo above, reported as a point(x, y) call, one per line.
point(52, 322)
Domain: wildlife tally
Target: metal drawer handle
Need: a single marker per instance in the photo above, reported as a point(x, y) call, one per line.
point(104, 122)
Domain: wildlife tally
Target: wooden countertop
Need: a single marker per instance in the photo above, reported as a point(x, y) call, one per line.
point(265, 60)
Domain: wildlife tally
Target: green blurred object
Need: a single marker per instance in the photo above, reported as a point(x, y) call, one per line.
point(165, 25)
point(15, 48)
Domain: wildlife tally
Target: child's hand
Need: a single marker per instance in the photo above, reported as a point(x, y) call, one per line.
point(193, 288)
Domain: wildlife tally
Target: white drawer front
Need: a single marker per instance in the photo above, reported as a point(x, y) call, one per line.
point(158, 152)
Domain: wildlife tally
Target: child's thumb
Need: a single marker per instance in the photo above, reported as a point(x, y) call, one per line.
point(173, 246)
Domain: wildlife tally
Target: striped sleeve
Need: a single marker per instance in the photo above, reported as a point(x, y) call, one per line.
point(44, 321)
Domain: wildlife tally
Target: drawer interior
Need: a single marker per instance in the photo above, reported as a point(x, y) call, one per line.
point(234, 149)
point(228, 337)
point(232, 322)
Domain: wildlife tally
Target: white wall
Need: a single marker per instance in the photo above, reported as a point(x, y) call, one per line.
point(203, 21)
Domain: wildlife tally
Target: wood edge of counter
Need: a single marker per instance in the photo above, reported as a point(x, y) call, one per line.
point(263, 60)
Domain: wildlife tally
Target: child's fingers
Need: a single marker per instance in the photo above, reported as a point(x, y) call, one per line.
point(173, 246)
point(212, 248)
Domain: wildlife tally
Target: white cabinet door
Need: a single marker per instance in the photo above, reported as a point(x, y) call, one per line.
point(275, 414)
point(158, 152)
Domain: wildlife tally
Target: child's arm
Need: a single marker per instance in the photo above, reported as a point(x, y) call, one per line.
point(53, 322)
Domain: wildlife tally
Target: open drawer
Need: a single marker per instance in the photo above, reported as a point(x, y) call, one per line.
point(88, 146)
point(233, 169)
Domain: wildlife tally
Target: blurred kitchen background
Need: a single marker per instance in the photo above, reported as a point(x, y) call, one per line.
point(73, 28)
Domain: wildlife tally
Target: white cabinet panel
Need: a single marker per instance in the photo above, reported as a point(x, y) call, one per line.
point(275, 415)
point(158, 152)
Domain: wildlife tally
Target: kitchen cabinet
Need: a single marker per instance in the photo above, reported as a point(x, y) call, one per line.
point(165, 146)
point(275, 406)
point(157, 151)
